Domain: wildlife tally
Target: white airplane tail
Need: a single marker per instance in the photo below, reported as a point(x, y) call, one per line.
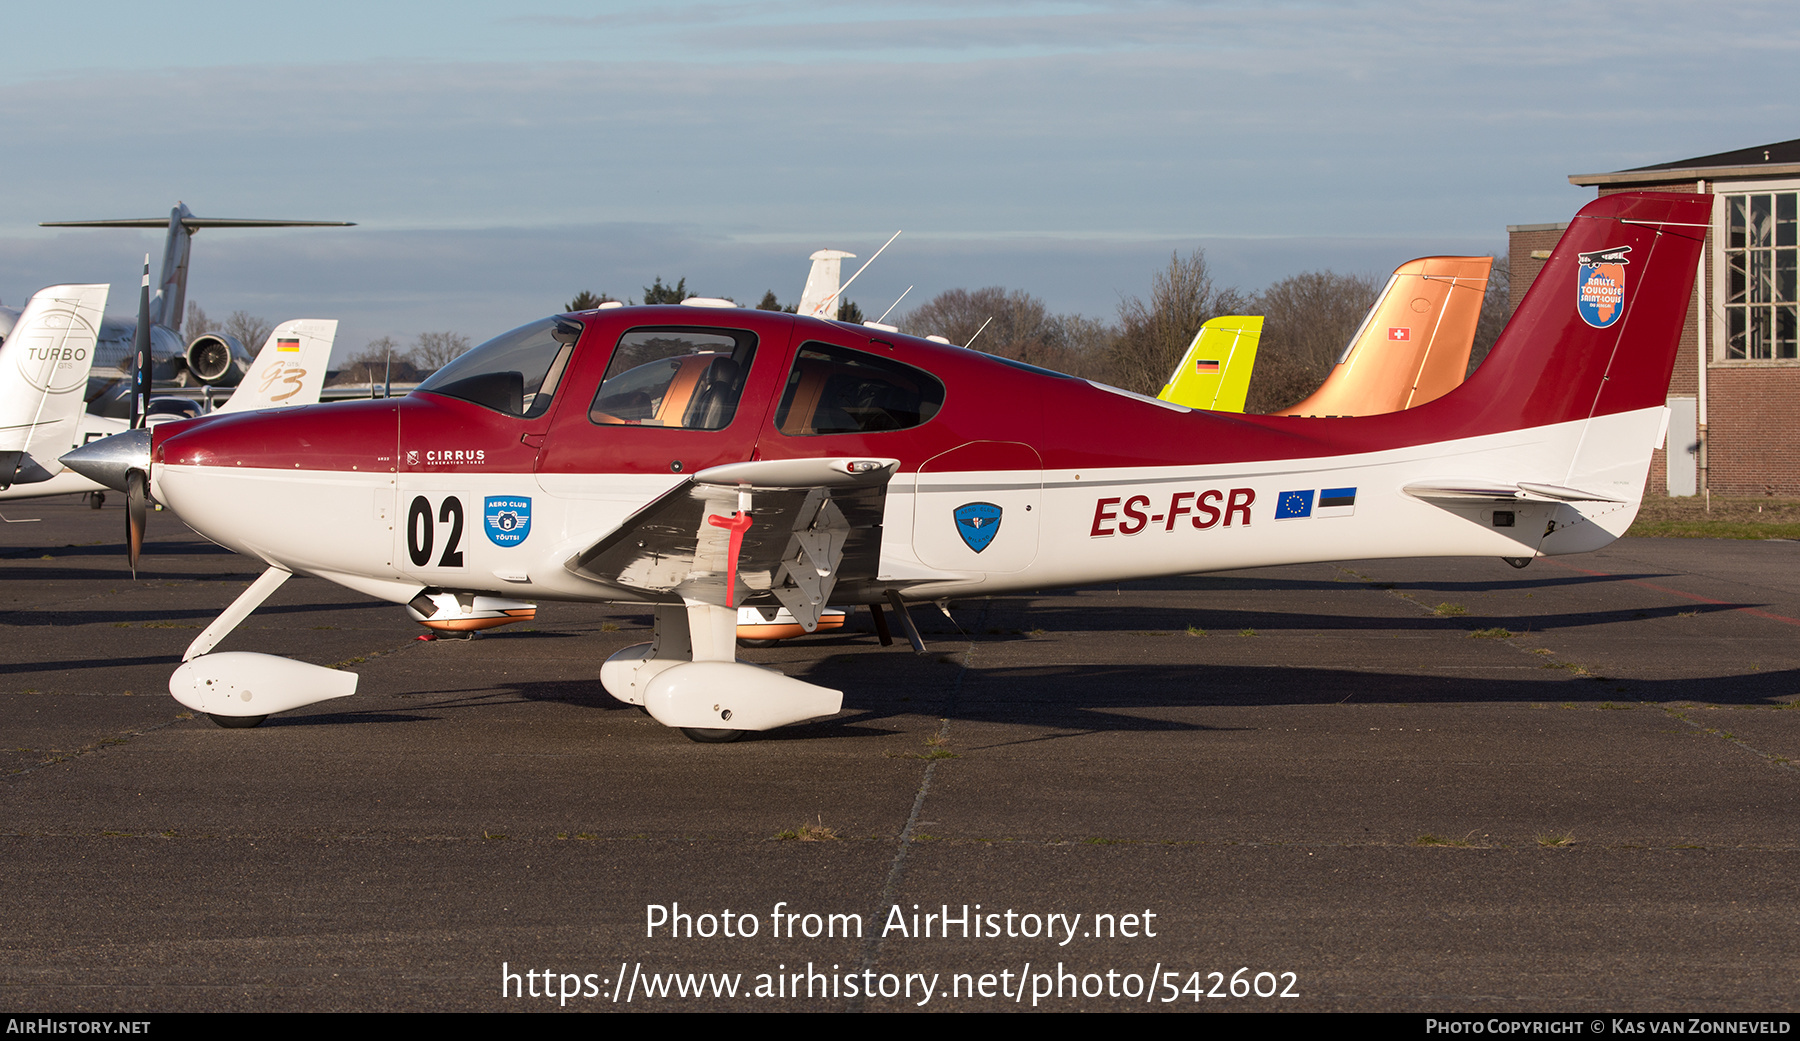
point(820, 298)
point(43, 380)
point(290, 370)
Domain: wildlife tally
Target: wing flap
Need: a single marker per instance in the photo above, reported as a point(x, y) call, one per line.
point(787, 529)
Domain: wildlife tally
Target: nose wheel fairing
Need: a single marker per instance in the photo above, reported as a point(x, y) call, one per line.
point(245, 683)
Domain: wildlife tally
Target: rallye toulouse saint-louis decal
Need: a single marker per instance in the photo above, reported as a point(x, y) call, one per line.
point(1600, 287)
point(977, 523)
point(507, 519)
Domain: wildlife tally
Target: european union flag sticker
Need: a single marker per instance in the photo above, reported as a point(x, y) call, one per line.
point(1294, 505)
point(977, 523)
point(507, 519)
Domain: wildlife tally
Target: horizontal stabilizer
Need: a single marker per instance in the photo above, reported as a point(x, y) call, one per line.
point(1476, 492)
point(191, 223)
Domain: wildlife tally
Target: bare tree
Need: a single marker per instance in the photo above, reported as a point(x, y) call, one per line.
point(1152, 336)
point(433, 351)
point(1496, 310)
point(1017, 326)
point(250, 330)
point(197, 324)
point(1308, 320)
point(370, 365)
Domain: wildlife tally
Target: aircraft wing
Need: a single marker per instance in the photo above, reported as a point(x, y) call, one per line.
point(791, 529)
point(290, 370)
point(1215, 372)
point(43, 379)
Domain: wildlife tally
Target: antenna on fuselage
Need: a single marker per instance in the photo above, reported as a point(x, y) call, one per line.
point(893, 305)
point(978, 332)
point(859, 271)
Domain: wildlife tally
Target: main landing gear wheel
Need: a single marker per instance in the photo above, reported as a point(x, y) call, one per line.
point(712, 737)
point(236, 722)
point(743, 642)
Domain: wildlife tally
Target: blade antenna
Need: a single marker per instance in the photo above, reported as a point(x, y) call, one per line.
point(859, 271)
point(895, 304)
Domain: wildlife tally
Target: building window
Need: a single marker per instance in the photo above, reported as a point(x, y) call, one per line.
point(1762, 307)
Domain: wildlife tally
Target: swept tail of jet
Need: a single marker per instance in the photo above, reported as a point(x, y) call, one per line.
point(169, 300)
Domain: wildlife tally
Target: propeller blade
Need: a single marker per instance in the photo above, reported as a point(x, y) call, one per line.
point(140, 356)
point(137, 500)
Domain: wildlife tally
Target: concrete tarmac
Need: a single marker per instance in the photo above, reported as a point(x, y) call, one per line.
point(1419, 785)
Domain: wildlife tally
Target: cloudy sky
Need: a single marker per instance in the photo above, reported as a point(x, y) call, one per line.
point(499, 159)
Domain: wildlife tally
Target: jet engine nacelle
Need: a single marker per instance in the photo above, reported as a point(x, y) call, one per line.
point(218, 359)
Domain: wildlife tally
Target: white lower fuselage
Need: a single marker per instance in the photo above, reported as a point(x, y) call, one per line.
point(1056, 528)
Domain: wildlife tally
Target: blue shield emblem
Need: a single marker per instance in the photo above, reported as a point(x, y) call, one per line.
point(977, 523)
point(506, 519)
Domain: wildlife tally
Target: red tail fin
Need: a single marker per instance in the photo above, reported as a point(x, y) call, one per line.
point(1597, 332)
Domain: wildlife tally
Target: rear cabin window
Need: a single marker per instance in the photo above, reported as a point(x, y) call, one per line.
point(687, 379)
point(832, 390)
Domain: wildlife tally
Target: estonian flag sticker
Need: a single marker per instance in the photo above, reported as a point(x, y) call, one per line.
point(1336, 502)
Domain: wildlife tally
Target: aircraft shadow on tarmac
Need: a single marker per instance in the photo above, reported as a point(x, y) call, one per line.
point(169, 618)
point(1508, 580)
point(115, 551)
point(1225, 621)
point(1088, 698)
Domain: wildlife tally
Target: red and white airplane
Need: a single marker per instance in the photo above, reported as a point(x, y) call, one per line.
point(699, 460)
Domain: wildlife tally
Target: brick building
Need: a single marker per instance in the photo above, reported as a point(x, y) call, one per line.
point(1735, 405)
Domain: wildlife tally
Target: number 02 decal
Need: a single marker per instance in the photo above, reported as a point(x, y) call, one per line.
point(420, 534)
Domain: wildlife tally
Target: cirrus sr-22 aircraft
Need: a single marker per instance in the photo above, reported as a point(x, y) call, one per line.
point(698, 460)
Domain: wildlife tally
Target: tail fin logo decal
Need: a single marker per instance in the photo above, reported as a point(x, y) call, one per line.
point(977, 523)
point(1600, 288)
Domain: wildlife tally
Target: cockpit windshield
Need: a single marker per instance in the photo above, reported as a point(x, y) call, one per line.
point(515, 373)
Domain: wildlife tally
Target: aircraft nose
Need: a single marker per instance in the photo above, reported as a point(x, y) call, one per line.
point(109, 460)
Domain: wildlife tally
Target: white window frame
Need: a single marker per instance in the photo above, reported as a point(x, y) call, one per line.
point(1719, 316)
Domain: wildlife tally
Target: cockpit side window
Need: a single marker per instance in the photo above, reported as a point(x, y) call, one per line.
point(515, 373)
point(833, 390)
point(681, 378)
